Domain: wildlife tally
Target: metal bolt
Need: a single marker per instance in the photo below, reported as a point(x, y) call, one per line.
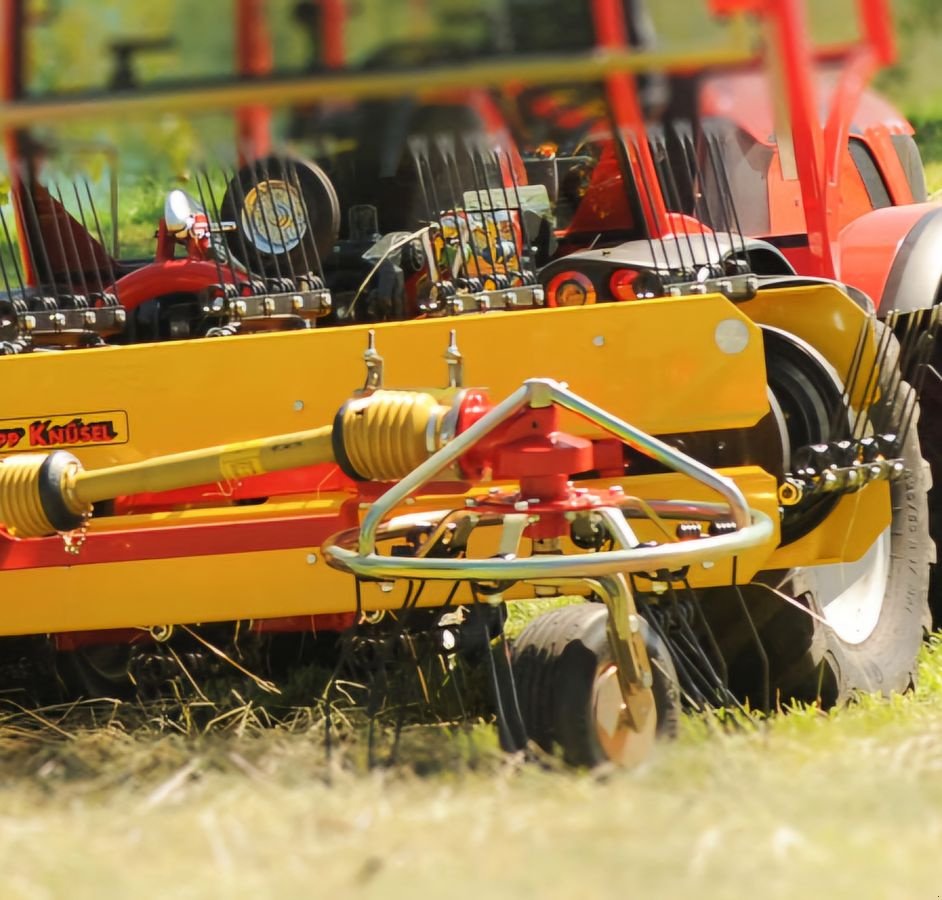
point(634, 626)
point(708, 564)
point(312, 559)
point(470, 502)
point(386, 587)
point(616, 489)
point(599, 340)
point(521, 506)
point(298, 405)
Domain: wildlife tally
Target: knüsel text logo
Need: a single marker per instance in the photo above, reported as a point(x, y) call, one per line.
point(67, 430)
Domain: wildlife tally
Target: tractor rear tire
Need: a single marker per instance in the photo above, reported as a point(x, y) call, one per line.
point(863, 623)
point(568, 689)
point(286, 213)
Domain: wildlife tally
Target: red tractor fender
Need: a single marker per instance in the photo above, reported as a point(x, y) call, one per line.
point(895, 256)
point(172, 276)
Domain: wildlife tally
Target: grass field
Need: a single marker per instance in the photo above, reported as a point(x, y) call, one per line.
point(841, 805)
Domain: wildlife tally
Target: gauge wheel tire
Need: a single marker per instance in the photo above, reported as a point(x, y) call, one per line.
point(303, 221)
point(880, 620)
point(565, 679)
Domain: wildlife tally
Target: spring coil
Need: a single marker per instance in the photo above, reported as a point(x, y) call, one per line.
point(22, 510)
point(385, 439)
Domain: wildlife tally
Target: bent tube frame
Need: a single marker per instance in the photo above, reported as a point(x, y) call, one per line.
point(752, 527)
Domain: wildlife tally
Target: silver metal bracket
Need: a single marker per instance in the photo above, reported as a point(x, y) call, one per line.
point(374, 364)
point(454, 361)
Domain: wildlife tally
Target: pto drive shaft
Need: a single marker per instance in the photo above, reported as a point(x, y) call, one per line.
point(380, 436)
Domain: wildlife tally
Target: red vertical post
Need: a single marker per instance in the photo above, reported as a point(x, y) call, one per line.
point(611, 33)
point(789, 51)
point(877, 29)
point(12, 76)
point(333, 52)
point(253, 58)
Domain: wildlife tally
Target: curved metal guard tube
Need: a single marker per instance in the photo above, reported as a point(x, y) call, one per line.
point(655, 449)
point(545, 392)
point(583, 565)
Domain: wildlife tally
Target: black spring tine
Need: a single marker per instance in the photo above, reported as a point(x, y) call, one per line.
point(523, 250)
point(511, 728)
point(649, 192)
point(303, 219)
point(251, 247)
point(79, 267)
point(12, 251)
point(523, 219)
point(726, 190)
point(476, 158)
point(437, 203)
point(660, 139)
point(700, 663)
point(29, 211)
point(262, 178)
point(715, 166)
point(928, 342)
point(895, 383)
point(718, 657)
point(206, 183)
point(101, 239)
point(718, 665)
point(266, 174)
point(708, 686)
point(853, 371)
point(871, 384)
point(246, 246)
point(706, 215)
point(914, 322)
point(683, 133)
point(63, 253)
point(220, 275)
point(716, 169)
point(634, 158)
point(889, 393)
point(445, 146)
point(760, 647)
point(518, 245)
point(682, 666)
point(81, 212)
point(418, 148)
point(293, 274)
point(483, 210)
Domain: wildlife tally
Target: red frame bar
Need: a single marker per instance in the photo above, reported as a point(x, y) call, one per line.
point(253, 57)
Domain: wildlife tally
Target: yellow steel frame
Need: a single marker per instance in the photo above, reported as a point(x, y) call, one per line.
point(654, 363)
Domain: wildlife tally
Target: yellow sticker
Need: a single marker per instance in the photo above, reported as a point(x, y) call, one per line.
point(65, 431)
point(241, 464)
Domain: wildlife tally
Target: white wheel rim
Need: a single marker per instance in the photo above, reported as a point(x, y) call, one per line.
point(851, 595)
point(621, 744)
point(273, 218)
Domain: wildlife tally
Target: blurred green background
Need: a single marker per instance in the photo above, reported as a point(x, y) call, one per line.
point(71, 47)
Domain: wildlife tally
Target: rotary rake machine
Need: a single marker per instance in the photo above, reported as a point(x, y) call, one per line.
point(420, 513)
point(710, 462)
